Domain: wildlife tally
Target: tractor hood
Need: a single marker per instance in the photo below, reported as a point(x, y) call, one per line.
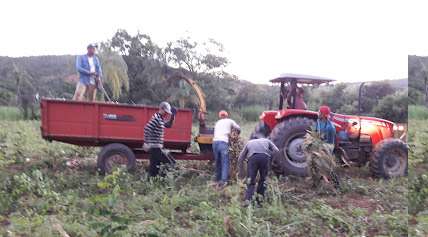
point(374, 119)
point(364, 120)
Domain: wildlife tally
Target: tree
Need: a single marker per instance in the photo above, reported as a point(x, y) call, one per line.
point(24, 92)
point(115, 70)
point(140, 45)
point(185, 53)
point(372, 93)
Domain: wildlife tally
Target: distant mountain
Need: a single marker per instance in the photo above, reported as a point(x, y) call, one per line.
point(395, 83)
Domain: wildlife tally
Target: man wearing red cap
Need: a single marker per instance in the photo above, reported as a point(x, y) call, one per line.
point(324, 127)
point(222, 129)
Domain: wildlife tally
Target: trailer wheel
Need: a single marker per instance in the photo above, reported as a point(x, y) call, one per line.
point(389, 159)
point(115, 155)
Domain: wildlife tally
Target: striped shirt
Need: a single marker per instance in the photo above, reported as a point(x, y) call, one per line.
point(154, 130)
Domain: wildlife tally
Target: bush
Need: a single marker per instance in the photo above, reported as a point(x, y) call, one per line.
point(251, 113)
point(418, 193)
point(6, 97)
point(416, 97)
point(393, 107)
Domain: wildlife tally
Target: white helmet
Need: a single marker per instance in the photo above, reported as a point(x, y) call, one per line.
point(165, 106)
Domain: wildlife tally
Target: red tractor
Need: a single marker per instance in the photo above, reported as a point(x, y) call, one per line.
point(366, 139)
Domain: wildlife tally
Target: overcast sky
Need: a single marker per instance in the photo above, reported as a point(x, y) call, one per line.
point(344, 40)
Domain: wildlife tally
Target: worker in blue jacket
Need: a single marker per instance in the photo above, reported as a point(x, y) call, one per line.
point(89, 68)
point(324, 127)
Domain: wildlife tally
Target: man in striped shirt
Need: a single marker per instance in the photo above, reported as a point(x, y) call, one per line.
point(153, 136)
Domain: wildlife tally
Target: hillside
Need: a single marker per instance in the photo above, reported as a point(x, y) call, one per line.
point(55, 76)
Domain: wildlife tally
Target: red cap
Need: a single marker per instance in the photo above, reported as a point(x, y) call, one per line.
point(223, 114)
point(324, 110)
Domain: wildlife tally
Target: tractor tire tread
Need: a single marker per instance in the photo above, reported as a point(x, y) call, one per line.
point(279, 135)
point(381, 149)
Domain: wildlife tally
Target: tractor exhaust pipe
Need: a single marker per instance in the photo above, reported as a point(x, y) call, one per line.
point(359, 98)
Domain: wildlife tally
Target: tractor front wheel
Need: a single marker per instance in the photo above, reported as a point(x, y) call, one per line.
point(288, 136)
point(389, 159)
point(115, 155)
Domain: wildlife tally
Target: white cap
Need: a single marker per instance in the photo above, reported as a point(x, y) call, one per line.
point(165, 106)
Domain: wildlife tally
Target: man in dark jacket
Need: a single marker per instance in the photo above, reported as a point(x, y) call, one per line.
point(153, 136)
point(258, 152)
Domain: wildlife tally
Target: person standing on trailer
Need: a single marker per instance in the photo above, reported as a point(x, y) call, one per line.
point(222, 129)
point(89, 68)
point(154, 136)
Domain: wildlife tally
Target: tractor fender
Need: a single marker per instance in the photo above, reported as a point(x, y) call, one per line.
point(287, 113)
point(272, 118)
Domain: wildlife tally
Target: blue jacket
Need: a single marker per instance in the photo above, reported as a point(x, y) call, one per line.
point(326, 130)
point(82, 66)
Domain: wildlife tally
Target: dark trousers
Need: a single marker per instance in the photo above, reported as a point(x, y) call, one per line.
point(156, 159)
point(258, 163)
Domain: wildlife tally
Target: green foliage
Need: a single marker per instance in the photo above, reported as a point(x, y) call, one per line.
point(378, 99)
point(21, 143)
point(136, 71)
point(10, 113)
point(36, 198)
point(115, 71)
point(251, 113)
point(418, 112)
point(417, 70)
point(393, 107)
point(416, 97)
point(418, 166)
point(321, 161)
point(418, 194)
point(6, 97)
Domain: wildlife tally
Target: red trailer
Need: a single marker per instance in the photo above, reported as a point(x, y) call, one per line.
point(118, 128)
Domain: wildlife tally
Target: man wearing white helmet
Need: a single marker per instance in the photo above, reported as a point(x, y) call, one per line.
point(153, 135)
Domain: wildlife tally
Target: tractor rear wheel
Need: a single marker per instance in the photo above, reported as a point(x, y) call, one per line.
point(389, 159)
point(115, 155)
point(261, 130)
point(288, 137)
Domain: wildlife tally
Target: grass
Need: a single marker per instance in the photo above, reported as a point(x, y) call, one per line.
point(418, 112)
point(10, 113)
point(40, 196)
point(418, 166)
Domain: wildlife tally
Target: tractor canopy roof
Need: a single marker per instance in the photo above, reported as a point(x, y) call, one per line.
point(301, 79)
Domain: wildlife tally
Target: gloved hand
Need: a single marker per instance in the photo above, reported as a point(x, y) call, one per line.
point(173, 111)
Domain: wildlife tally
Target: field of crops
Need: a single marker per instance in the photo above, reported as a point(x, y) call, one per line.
point(418, 167)
point(41, 196)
